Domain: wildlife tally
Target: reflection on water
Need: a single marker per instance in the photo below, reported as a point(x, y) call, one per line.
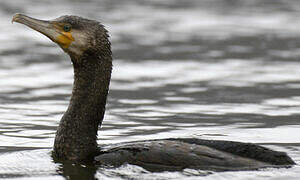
point(216, 69)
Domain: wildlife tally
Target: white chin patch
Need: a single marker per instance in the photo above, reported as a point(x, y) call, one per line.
point(73, 49)
point(80, 43)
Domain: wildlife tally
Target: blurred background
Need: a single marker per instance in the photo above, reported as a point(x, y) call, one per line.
point(213, 69)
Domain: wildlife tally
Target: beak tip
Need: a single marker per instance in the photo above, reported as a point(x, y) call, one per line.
point(16, 17)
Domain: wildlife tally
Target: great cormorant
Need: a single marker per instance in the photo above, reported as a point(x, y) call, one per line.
point(87, 43)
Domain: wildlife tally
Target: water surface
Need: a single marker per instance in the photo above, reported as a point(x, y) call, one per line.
point(213, 69)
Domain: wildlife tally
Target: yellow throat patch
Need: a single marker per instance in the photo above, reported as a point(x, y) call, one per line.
point(65, 39)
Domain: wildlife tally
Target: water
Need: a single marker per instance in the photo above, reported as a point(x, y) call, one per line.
point(213, 69)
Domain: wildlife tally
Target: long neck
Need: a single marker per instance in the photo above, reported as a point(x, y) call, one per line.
point(77, 132)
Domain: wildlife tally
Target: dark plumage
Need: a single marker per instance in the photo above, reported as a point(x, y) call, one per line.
point(87, 43)
point(76, 135)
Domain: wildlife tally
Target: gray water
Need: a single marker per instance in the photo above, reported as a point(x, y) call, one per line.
point(213, 69)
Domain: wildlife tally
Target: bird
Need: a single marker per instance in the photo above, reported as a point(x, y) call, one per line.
point(87, 42)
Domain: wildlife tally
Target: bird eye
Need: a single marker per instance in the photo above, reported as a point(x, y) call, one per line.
point(67, 28)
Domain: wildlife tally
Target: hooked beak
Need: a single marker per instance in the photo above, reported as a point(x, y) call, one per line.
point(51, 29)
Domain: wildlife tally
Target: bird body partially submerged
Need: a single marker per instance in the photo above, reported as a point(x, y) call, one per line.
point(178, 154)
point(86, 42)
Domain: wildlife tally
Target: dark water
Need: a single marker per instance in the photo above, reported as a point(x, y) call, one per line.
point(214, 69)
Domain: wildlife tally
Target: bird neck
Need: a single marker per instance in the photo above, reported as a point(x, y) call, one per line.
point(77, 132)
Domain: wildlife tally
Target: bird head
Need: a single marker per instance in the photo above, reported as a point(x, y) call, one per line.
point(74, 34)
